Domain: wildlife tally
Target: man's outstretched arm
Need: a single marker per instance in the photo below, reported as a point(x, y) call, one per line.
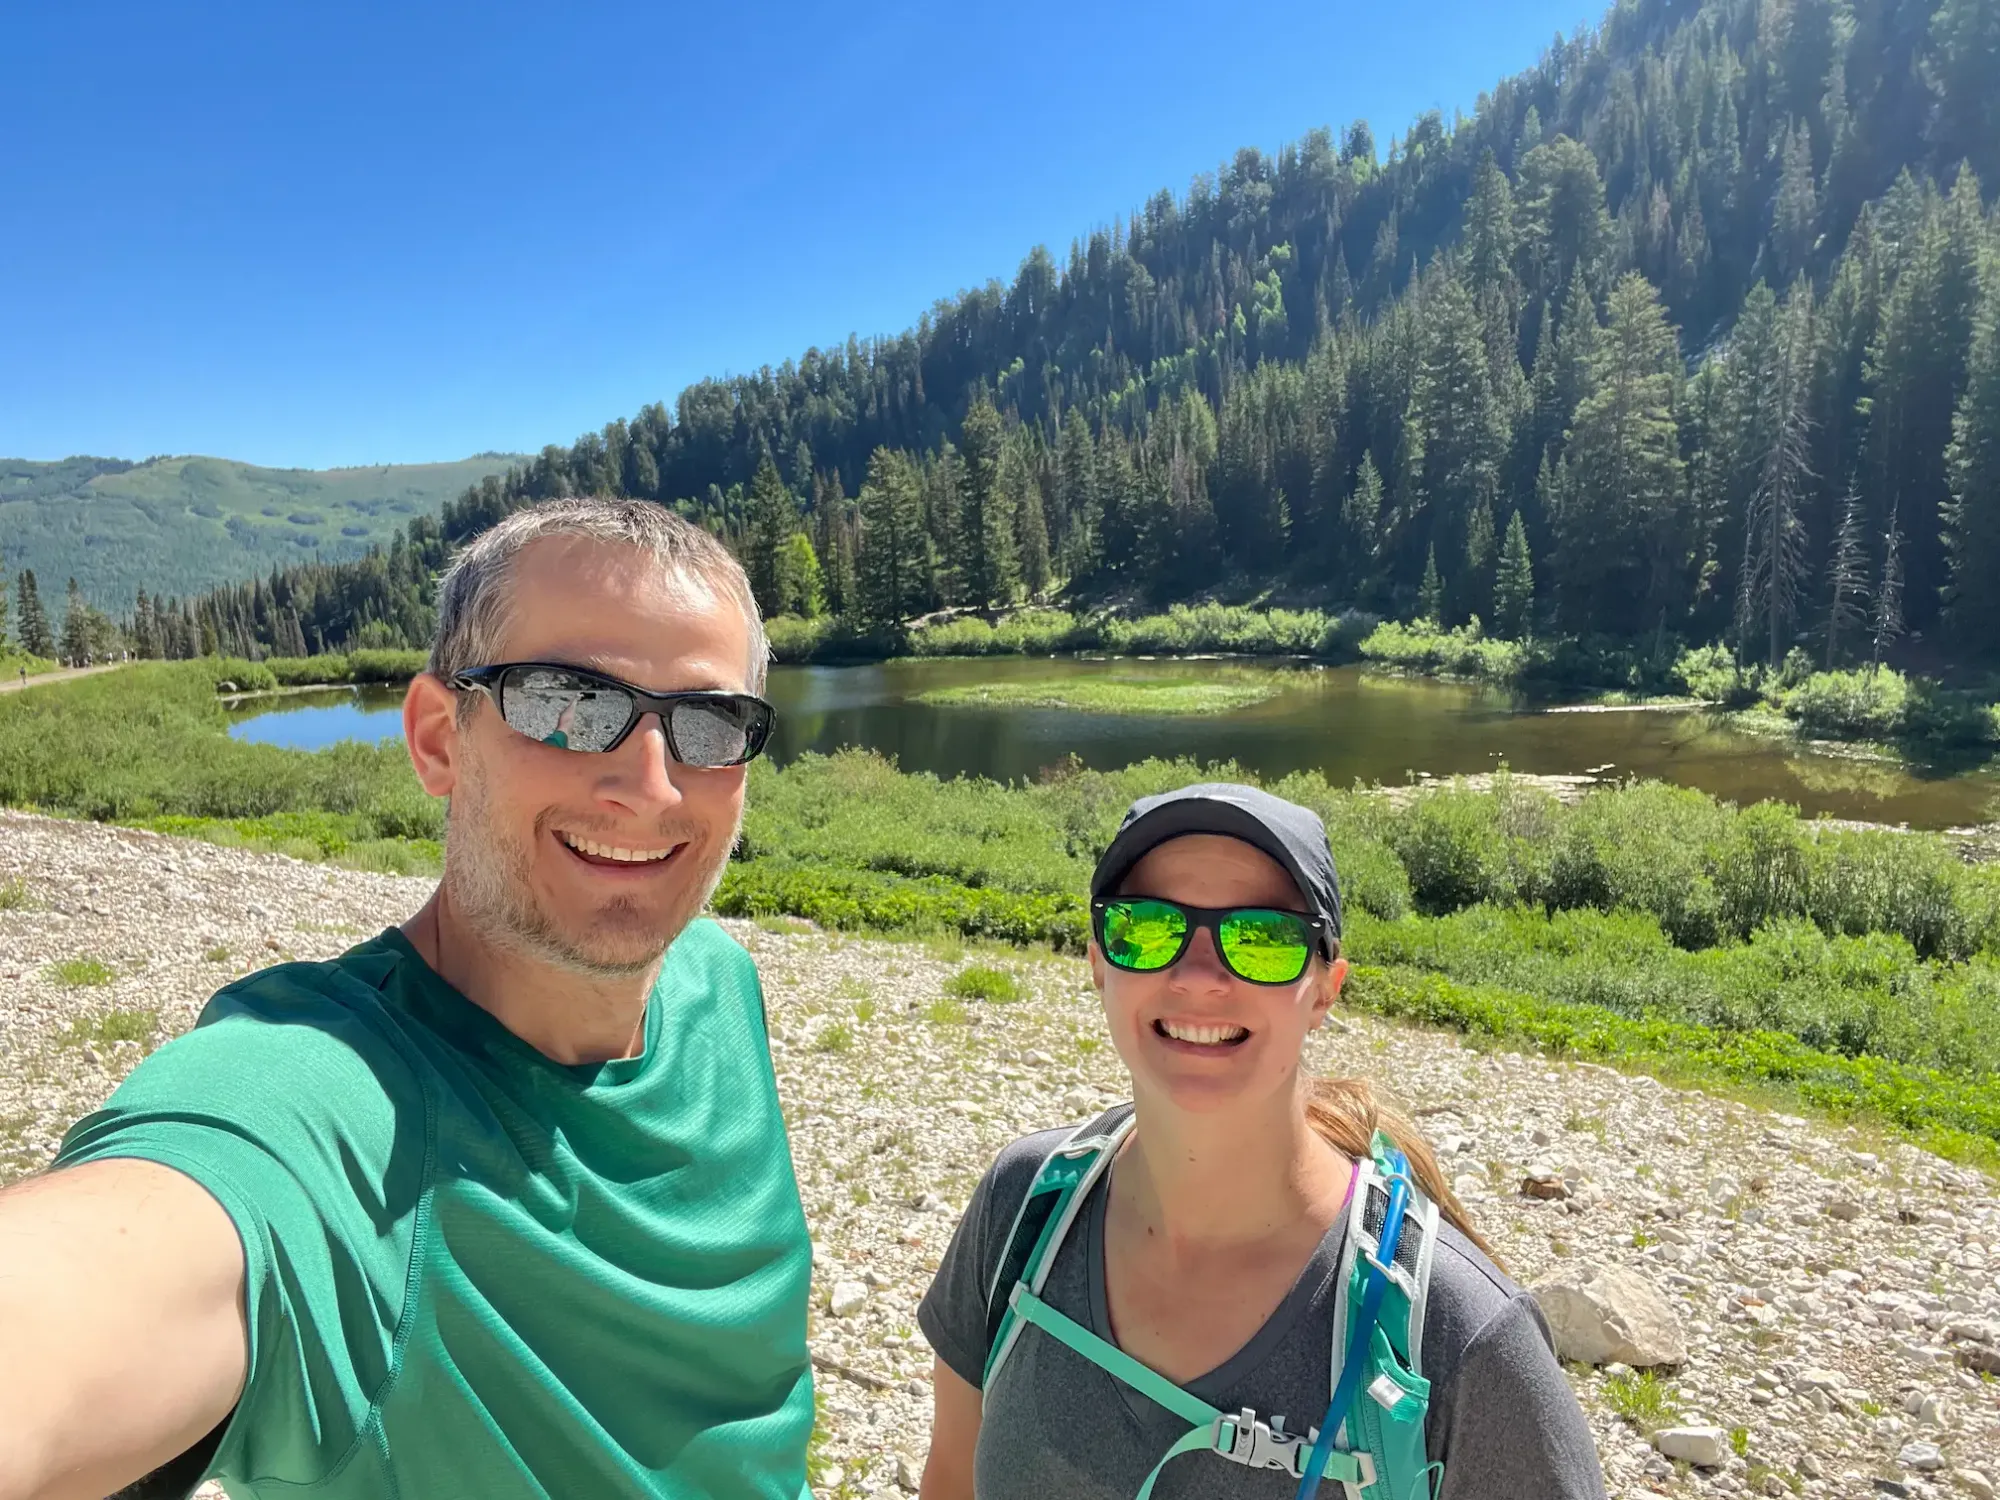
point(122, 1334)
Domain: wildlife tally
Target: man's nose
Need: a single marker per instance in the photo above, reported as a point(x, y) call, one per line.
point(641, 774)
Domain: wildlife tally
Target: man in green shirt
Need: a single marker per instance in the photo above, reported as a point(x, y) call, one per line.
point(498, 1203)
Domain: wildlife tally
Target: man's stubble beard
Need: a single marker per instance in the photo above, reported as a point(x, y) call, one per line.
point(488, 880)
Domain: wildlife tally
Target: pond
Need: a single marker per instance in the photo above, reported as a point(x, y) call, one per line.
point(1343, 722)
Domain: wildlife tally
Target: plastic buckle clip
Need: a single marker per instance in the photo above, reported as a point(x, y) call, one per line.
point(1257, 1444)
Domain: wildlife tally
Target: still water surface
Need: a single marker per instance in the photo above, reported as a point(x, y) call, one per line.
point(1342, 722)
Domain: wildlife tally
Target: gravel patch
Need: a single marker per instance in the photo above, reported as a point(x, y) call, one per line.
point(1838, 1296)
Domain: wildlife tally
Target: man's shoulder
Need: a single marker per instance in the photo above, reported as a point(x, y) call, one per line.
point(303, 1037)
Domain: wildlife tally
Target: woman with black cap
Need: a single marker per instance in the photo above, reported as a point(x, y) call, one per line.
point(1248, 1281)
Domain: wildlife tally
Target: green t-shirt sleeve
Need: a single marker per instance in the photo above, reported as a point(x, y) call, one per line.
point(292, 1105)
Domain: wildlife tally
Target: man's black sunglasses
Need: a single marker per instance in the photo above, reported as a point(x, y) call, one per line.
point(574, 709)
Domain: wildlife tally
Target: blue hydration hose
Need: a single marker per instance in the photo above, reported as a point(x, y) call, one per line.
point(1398, 1182)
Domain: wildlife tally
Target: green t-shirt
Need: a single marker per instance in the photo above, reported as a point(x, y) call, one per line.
point(476, 1272)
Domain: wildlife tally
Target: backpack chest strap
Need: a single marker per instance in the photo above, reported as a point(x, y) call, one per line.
point(1241, 1437)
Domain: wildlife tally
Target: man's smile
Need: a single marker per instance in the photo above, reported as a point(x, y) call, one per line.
point(606, 852)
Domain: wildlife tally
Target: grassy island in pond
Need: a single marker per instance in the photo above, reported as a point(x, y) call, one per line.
point(1168, 697)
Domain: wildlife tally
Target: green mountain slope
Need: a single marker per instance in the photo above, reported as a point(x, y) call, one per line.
point(186, 524)
point(1689, 333)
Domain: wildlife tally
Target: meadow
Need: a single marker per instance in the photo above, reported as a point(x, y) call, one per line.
point(1647, 925)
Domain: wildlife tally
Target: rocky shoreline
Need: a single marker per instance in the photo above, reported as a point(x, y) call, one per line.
point(1835, 1297)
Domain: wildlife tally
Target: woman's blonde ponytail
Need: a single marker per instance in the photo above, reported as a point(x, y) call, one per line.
point(1347, 1113)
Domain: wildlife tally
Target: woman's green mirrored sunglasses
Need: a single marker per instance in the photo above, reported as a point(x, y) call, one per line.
point(573, 709)
point(1144, 934)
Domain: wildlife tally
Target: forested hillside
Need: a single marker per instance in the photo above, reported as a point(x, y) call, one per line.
point(180, 525)
point(1692, 330)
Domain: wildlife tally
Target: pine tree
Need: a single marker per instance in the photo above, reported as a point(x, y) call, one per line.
point(774, 515)
point(1454, 415)
point(1774, 556)
point(1972, 516)
point(987, 562)
point(1018, 480)
point(1795, 210)
point(37, 639)
point(1619, 529)
point(3, 611)
point(890, 562)
point(1514, 583)
point(76, 628)
point(1846, 578)
point(1078, 517)
point(1889, 593)
point(1477, 594)
point(1430, 593)
point(1360, 522)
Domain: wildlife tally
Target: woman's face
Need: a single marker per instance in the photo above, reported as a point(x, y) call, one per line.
point(1194, 1035)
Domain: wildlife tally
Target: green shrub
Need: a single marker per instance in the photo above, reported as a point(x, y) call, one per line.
point(794, 639)
point(392, 665)
point(1955, 1115)
point(1861, 705)
point(1645, 846)
point(302, 671)
point(1459, 850)
point(1422, 646)
point(1042, 632)
point(1713, 673)
point(1761, 869)
point(984, 982)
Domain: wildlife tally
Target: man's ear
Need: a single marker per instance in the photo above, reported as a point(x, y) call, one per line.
point(430, 730)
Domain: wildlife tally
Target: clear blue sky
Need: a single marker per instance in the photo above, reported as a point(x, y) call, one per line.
point(315, 235)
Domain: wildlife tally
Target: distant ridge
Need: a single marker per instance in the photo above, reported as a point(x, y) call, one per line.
point(182, 524)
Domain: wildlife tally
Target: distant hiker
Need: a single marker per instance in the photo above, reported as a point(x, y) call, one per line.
point(499, 1203)
point(1244, 1266)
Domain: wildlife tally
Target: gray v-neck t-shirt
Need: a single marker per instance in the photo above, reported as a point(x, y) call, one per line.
point(1503, 1420)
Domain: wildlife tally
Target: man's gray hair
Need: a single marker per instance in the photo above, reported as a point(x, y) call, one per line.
point(475, 593)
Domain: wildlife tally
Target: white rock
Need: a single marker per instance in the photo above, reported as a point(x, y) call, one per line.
point(909, 1472)
point(1704, 1447)
point(1923, 1457)
point(1844, 1209)
point(1599, 1314)
point(1974, 1483)
point(847, 1298)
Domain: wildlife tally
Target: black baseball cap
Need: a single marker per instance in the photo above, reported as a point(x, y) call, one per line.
point(1292, 835)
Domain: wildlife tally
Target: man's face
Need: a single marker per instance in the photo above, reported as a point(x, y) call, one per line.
point(520, 807)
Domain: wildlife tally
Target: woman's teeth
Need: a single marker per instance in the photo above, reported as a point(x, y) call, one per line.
point(1203, 1036)
point(613, 851)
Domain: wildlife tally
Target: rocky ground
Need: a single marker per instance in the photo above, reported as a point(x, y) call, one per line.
point(1836, 1298)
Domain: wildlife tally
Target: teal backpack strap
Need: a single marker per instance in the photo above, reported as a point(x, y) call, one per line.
point(1043, 1221)
point(1237, 1436)
point(1380, 1395)
point(1041, 1224)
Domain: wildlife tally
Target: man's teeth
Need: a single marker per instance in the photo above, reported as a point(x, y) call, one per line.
point(1204, 1036)
point(614, 851)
